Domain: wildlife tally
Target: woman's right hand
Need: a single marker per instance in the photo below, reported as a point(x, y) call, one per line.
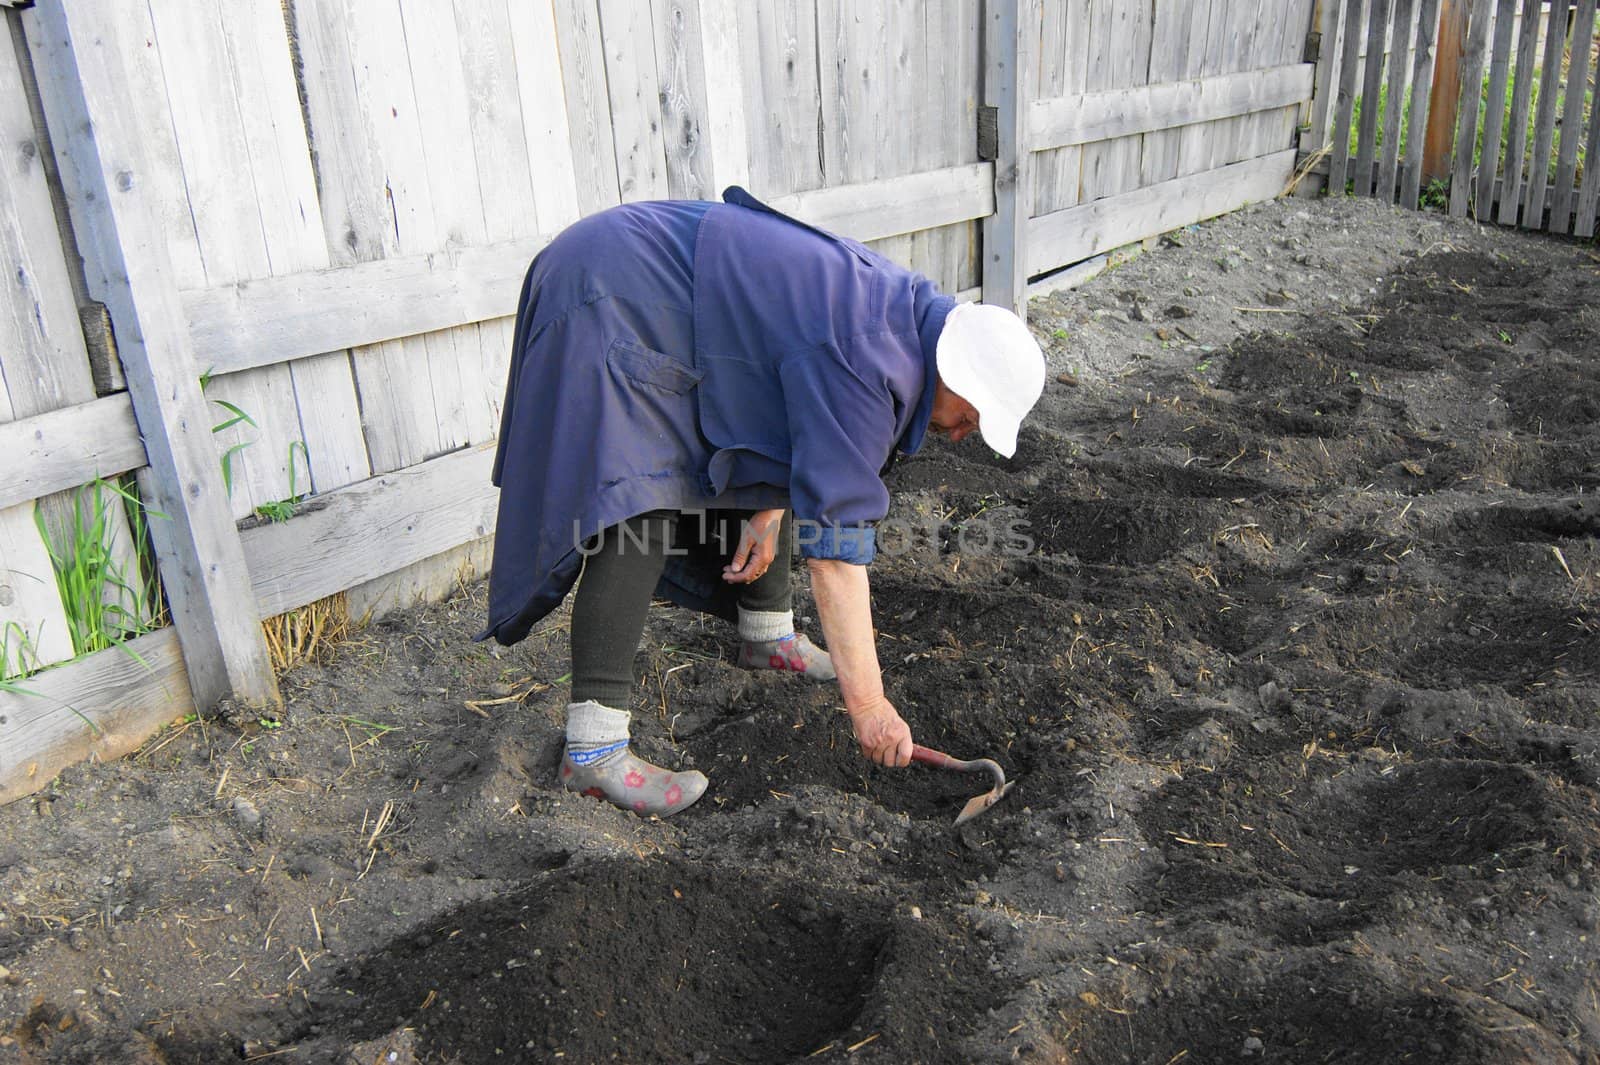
point(884, 736)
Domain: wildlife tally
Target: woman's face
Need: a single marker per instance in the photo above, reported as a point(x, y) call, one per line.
point(952, 416)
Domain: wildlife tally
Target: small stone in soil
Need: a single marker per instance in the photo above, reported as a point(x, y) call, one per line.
point(246, 812)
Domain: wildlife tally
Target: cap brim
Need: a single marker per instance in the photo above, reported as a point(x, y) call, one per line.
point(999, 433)
point(997, 429)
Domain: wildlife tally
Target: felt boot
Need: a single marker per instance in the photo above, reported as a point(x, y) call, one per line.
point(598, 762)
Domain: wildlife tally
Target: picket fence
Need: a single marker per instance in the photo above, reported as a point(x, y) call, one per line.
point(1497, 108)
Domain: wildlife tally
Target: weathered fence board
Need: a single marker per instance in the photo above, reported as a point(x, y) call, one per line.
point(102, 706)
point(1427, 50)
point(778, 50)
point(1171, 46)
point(1472, 67)
point(275, 319)
point(1371, 84)
point(1589, 196)
point(1395, 94)
point(1521, 100)
point(414, 513)
point(1545, 114)
point(1494, 112)
point(1079, 232)
point(1572, 119)
point(1344, 111)
point(1151, 108)
point(65, 448)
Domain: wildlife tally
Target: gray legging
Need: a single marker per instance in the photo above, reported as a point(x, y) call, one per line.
point(620, 574)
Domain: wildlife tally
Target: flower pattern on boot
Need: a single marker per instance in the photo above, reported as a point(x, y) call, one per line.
point(793, 653)
point(626, 780)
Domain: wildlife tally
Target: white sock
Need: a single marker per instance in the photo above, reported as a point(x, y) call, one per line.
point(764, 626)
point(596, 734)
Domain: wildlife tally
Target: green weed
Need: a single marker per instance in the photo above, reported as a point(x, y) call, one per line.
point(105, 604)
point(17, 646)
point(236, 416)
point(283, 509)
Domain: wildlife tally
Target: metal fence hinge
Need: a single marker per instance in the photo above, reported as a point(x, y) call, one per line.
point(1313, 52)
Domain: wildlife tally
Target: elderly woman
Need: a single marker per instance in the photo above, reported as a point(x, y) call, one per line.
point(685, 376)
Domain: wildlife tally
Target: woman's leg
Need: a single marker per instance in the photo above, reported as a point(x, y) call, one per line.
point(768, 639)
point(608, 614)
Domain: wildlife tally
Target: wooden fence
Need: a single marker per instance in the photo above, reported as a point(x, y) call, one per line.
point(267, 250)
point(1503, 119)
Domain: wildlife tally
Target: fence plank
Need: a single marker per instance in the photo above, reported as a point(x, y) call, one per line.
point(127, 693)
point(274, 319)
point(1572, 119)
point(1169, 56)
point(1589, 198)
point(1008, 71)
point(1445, 95)
point(1512, 188)
point(726, 130)
point(414, 513)
point(1099, 116)
point(681, 78)
point(64, 448)
point(33, 624)
point(779, 41)
point(83, 80)
point(1329, 26)
point(1505, 18)
point(1079, 232)
point(1545, 118)
point(1417, 121)
point(505, 179)
point(456, 180)
point(895, 206)
point(1349, 72)
point(1119, 59)
point(583, 75)
point(544, 110)
point(1371, 88)
point(280, 318)
point(633, 88)
point(1062, 30)
point(1471, 96)
point(1395, 94)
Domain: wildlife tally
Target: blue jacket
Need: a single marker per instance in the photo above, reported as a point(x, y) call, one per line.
point(682, 355)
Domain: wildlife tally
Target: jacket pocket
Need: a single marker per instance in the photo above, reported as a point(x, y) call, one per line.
point(644, 366)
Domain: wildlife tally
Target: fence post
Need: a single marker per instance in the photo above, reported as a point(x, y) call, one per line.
point(1445, 98)
point(1010, 39)
point(1327, 22)
point(96, 138)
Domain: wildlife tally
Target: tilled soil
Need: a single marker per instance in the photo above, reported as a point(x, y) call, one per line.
point(1289, 642)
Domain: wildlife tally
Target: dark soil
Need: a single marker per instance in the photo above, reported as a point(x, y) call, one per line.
point(1298, 681)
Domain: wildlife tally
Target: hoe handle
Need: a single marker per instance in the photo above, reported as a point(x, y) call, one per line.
point(937, 759)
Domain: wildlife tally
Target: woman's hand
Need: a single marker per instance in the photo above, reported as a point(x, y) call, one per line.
point(758, 546)
point(884, 736)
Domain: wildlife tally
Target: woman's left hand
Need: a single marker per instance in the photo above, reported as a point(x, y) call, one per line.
point(758, 546)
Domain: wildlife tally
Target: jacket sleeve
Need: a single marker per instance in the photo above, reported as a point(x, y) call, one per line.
point(841, 430)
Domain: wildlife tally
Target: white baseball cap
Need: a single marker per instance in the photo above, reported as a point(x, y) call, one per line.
point(987, 357)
